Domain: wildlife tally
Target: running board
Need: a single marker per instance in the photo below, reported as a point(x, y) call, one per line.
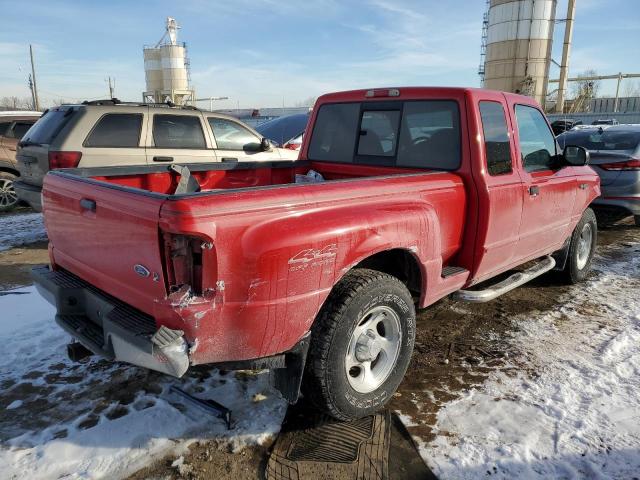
point(514, 281)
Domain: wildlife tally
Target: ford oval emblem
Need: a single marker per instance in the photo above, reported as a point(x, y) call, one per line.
point(141, 270)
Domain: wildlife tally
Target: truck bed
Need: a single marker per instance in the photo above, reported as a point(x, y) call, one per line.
point(252, 253)
point(214, 177)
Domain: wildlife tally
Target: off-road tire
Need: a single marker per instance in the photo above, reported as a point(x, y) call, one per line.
point(572, 272)
point(5, 179)
point(325, 381)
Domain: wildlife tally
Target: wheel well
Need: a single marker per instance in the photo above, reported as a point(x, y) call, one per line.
point(9, 170)
point(399, 263)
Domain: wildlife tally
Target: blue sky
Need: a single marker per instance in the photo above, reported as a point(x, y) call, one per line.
point(265, 52)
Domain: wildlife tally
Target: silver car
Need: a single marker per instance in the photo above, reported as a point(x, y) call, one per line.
point(615, 156)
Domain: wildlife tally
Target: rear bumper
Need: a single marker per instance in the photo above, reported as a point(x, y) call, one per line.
point(30, 194)
point(117, 331)
point(109, 327)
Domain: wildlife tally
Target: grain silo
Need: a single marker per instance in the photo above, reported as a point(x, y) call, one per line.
point(167, 69)
point(518, 46)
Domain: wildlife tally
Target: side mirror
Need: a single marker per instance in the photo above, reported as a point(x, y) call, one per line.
point(576, 156)
point(265, 145)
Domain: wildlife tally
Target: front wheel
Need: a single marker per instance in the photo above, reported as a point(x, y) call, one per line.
point(582, 248)
point(361, 345)
point(8, 196)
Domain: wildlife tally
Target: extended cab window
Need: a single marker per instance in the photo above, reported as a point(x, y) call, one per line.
point(4, 126)
point(334, 132)
point(230, 135)
point(537, 143)
point(422, 134)
point(178, 131)
point(116, 130)
point(20, 128)
point(496, 138)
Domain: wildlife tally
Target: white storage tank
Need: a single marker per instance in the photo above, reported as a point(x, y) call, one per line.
point(174, 68)
point(519, 41)
point(153, 69)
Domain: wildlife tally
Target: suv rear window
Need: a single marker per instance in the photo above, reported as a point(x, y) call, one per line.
point(116, 130)
point(48, 126)
point(178, 131)
point(422, 134)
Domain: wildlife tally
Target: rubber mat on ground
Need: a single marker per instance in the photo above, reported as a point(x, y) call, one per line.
point(316, 446)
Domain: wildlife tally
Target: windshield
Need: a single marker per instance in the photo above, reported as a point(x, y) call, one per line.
point(49, 125)
point(601, 139)
point(283, 129)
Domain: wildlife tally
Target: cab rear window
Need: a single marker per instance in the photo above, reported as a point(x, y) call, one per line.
point(419, 134)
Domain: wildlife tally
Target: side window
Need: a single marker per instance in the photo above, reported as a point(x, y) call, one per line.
point(20, 128)
point(116, 130)
point(178, 131)
point(537, 143)
point(496, 138)
point(430, 135)
point(230, 135)
point(333, 137)
point(378, 133)
point(3, 128)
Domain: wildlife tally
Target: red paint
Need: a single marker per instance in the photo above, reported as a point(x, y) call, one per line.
point(277, 252)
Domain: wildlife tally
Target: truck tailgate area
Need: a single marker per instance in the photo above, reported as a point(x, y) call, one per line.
point(110, 239)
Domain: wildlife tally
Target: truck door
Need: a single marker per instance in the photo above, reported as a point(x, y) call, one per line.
point(501, 200)
point(548, 190)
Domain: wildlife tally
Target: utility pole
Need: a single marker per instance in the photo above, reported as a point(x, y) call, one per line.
point(112, 87)
point(32, 82)
point(566, 51)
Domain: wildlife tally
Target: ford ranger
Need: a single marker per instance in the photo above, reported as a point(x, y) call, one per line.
point(314, 269)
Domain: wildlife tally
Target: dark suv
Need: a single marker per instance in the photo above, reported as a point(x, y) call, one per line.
point(13, 125)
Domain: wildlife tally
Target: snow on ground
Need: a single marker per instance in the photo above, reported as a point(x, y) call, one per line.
point(572, 410)
point(20, 229)
point(104, 420)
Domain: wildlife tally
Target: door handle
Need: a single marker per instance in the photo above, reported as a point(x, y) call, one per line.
point(88, 204)
point(534, 190)
point(229, 159)
point(163, 159)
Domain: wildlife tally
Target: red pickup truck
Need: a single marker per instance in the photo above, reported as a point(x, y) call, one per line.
point(416, 193)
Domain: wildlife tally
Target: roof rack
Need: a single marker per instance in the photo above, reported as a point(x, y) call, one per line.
point(115, 101)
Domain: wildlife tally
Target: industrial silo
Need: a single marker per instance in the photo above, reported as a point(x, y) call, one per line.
point(167, 69)
point(174, 68)
point(518, 48)
point(153, 69)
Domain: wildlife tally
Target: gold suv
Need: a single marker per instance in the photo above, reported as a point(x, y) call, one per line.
point(112, 133)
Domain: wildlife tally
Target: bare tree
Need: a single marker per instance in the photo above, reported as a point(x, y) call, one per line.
point(307, 102)
point(586, 88)
point(631, 89)
point(15, 103)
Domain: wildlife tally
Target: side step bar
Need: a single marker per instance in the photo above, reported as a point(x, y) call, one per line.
point(514, 281)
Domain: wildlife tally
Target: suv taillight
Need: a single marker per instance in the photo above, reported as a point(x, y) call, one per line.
point(64, 159)
point(633, 164)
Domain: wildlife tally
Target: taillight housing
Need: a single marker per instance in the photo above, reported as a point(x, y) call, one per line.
point(64, 159)
point(184, 262)
point(632, 164)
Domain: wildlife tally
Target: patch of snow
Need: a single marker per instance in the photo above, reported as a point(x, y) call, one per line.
point(14, 404)
point(21, 229)
point(77, 435)
point(579, 416)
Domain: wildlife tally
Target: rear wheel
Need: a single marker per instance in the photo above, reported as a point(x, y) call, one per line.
point(8, 196)
point(361, 345)
point(582, 248)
